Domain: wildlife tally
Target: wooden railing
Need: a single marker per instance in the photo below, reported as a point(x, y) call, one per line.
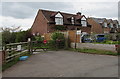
point(14, 50)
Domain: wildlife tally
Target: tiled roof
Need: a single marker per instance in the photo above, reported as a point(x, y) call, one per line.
point(115, 21)
point(49, 15)
point(109, 20)
point(99, 20)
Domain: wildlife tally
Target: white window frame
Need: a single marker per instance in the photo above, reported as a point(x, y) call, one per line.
point(72, 20)
point(83, 22)
point(111, 25)
point(116, 25)
point(59, 19)
point(105, 24)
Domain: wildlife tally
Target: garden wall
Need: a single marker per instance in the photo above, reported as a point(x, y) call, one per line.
point(107, 47)
point(71, 35)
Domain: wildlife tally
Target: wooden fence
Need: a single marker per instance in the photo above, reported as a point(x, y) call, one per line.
point(15, 50)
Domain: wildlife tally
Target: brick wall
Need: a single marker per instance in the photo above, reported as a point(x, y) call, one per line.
point(71, 36)
point(106, 30)
point(96, 28)
point(40, 24)
point(86, 29)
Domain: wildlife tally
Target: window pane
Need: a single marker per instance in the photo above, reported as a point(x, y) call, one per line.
point(59, 21)
point(83, 23)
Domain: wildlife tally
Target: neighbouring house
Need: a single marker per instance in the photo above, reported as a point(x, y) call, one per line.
point(116, 25)
point(48, 21)
point(103, 25)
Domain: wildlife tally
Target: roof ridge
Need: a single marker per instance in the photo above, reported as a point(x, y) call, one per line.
point(58, 11)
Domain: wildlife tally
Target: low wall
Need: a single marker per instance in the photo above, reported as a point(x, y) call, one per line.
point(95, 46)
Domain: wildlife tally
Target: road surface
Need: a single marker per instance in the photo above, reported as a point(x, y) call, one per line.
point(65, 64)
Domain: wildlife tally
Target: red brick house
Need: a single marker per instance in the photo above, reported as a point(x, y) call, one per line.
point(46, 21)
point(103, 25)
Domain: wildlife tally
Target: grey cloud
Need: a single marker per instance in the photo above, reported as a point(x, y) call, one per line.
point(106, 9)
point(29, 9)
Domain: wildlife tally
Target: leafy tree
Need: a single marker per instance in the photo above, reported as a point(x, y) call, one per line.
point(23, 36)
point(6, 36)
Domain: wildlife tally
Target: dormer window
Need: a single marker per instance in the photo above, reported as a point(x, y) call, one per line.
point(59, 19)
point(116, 25)
point(72, 20)
point(105, 24)
point(111, 25)
point(84, 22)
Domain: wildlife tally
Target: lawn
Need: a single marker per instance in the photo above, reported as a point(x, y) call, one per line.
point(94, 51)
point(108, 42)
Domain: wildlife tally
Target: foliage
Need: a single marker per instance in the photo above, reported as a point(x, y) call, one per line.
point(14, 61)
point(9, 34)
point(8, 37)
point(57, 35)
point(38, 38)
point(23, 36)
point(38, 41)
point(7, 65)
point(14, 34)
point(108, 42)
point(58, 40)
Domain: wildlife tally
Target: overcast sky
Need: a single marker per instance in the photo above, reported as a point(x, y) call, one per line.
point(23, 13)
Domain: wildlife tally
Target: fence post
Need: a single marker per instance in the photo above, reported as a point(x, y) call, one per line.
point(29, 46)
point(4, 54)
point(66, 40)
point(75, 38)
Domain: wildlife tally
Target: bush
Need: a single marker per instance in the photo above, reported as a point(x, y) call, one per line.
point(58, 40)
point(39, 41)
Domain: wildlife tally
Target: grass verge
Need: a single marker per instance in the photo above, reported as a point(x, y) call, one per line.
point(9, 64)
point(14, 61)
point(93, 51)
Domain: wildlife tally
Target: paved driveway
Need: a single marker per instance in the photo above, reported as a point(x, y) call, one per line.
point(65, 64)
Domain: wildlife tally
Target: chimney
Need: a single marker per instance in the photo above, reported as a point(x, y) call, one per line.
point(78, 13)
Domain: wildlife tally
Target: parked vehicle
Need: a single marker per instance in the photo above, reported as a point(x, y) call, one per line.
point(100, 37)
point(86, 38)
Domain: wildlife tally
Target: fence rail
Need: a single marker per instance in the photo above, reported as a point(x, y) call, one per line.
point(15, 50)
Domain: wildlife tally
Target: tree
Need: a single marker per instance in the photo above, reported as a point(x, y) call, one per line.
point(23, 36)
point(9, 34)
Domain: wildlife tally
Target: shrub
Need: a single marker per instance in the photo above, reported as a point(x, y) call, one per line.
point(38, 38)
point(58, 40)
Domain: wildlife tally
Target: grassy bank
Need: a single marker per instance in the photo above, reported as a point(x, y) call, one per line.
point(14, 61)
point(9, 64)
point(93, 51)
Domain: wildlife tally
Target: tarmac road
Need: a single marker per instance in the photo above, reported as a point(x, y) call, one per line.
point(65, 64)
